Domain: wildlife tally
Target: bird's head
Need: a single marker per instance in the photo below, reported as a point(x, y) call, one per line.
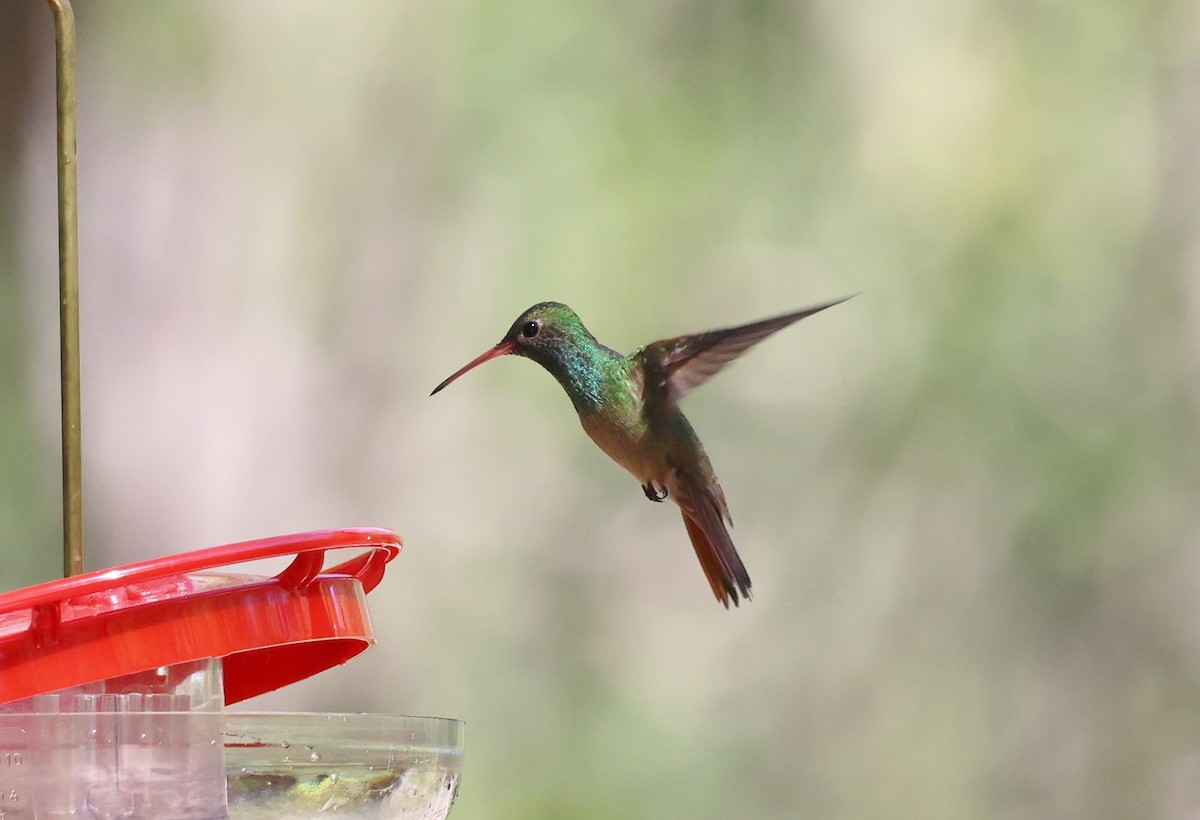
point(542, 333)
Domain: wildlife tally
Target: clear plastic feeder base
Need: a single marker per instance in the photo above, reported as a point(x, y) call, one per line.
point(205, 766)
point(101, 751)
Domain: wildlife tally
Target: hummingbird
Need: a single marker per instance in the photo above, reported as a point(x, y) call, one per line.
point(629, 406)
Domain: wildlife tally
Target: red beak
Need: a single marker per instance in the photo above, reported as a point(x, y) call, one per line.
point(502, 349)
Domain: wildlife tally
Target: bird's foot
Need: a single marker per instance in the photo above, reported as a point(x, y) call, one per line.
point(654, 492)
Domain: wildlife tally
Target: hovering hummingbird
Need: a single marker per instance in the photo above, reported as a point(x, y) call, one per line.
point(629, 406)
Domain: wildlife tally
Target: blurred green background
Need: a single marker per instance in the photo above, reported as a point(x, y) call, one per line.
point(968, 497)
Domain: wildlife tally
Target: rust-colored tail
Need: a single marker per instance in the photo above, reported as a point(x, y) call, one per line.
point(718, 558)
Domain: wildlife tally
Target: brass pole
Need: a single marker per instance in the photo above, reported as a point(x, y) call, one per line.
point(68, 287)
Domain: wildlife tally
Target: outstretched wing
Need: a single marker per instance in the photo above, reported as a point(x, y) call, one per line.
point(674, 367)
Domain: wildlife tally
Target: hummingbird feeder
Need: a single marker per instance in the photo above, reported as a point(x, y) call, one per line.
point(113, 683)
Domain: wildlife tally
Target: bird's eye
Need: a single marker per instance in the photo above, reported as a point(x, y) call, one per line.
point(531, 329)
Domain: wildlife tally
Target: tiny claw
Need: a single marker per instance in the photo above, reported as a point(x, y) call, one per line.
point(654, 493)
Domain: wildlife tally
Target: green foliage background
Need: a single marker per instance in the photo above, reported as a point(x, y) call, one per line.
point(968, 497)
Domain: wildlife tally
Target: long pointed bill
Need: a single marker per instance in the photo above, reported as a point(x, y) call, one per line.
point(501, 349)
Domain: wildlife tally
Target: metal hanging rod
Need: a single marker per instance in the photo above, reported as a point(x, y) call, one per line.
point(68, 287)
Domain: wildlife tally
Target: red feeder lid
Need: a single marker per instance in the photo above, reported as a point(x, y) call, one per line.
point(271, 631)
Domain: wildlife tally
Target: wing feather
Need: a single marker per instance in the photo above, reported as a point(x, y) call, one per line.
point(679, 365)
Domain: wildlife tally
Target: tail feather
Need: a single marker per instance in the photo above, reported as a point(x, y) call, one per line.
point(719, 559)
